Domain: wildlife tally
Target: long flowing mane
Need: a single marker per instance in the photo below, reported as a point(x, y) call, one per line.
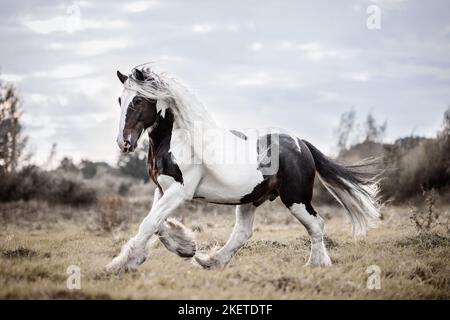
point(173, 95)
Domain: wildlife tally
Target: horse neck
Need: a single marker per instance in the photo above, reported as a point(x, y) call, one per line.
point(169, 122)
point(162, 130)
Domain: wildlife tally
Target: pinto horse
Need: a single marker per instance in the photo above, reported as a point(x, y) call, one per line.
point(191, 157)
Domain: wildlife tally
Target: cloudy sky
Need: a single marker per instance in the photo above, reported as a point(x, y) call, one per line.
point(290, 64)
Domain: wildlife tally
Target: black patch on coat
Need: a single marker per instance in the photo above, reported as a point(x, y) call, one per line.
point(295, 177)
point(239, 134)
point(160, 159)
point(297, 173)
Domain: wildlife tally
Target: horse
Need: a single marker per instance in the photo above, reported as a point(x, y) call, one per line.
point(183, 162)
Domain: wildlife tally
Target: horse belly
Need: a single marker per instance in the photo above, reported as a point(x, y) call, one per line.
point(228, 184)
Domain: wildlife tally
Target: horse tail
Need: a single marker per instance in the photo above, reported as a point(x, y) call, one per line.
point(353, 186)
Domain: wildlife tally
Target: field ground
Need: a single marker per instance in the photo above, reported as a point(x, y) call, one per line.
point(34, 259)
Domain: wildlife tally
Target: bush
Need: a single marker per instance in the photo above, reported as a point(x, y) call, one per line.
point(415, 164)
point(430, 218)
point(32, 183)
point(124, 188)
point(111, 213)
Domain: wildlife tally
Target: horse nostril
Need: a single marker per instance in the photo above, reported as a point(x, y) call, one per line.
point(126, 146)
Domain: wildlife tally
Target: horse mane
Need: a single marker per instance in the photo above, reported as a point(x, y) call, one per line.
point(187, 109)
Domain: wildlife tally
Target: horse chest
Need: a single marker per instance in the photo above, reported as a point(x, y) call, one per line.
point(162, 162)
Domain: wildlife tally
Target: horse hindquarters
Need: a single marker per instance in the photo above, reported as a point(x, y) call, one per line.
point(296, 180)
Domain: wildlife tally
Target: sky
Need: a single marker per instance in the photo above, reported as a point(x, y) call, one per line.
point(296, 65)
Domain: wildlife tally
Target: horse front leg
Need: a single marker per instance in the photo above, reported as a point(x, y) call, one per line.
point(242, 231)
point(176, 237)
point(134, 251)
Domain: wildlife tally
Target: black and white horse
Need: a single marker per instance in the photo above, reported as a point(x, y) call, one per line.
point(190, 157)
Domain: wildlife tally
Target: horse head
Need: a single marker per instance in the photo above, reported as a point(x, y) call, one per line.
point(138, 112)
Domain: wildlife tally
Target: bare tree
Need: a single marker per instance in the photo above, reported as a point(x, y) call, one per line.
point(50, 158)
point(445, 133)
point(12, 140)
point(345, 129)
point(373, 131)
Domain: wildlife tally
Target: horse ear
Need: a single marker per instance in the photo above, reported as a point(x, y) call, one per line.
point(121, 77)
point(139, 75)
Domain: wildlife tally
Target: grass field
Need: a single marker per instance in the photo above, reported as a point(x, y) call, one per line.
point(34, 258)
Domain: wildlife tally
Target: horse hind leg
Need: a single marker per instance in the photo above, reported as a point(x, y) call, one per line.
point(315, 225)
point(242, 231)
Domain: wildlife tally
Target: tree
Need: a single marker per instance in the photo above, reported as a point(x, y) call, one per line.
point(50, 158)
point(12, 139)
point(373, 131)
point(67, 165)
point(445, 133)
point(349, 133)
point(89, 169)
point(345, 128)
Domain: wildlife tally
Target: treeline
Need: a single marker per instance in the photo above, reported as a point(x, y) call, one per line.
point(412, 165)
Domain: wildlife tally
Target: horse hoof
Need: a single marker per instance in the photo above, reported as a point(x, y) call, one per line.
point(208, 262)
point(321, 264)
point(113, 268)
point(116, 266)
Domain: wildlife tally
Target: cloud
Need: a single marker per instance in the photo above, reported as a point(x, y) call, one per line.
point(66, 71)
point(389, 4)
point(446, 30)
point(91, 47)
point(89, 86)
point(36, 97)
point(97, 47)
point(271, 79)
point(10, 77)
point(317, 52)
point(256, 46)
point(357, 76)
point(40, 98)
point(228, 27)
point(232, 27)
point(202, 28)
point(69, 24)
point(59, 23)
point(328, 96)
point(140, 6)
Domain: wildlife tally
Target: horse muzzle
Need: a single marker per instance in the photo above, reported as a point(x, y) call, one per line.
point(130, 140)
point(128, 146)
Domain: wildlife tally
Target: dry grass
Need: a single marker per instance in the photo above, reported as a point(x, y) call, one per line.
point(33, 262)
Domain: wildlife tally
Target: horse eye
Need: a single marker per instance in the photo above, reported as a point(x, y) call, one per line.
point(137, 101)
point(120, 101)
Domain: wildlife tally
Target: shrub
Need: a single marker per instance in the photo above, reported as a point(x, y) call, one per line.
point(417, 164)
point(124, 188)
point(428, 219)
point(110, 213)
point(33, 183)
